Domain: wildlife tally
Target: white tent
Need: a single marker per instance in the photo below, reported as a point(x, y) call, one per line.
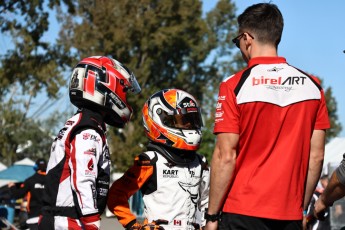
point(19, 171)
point(25, 161)
point(334, 151)
point(2, 166)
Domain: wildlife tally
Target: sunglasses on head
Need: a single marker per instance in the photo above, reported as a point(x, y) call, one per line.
point(237, 39)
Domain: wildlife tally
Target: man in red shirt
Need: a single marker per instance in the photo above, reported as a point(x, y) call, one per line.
point(270, 124)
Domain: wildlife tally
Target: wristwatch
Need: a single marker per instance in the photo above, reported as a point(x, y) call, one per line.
point(213, 217)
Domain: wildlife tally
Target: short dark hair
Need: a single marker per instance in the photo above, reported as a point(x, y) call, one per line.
point(264, 20)
point(40, 165)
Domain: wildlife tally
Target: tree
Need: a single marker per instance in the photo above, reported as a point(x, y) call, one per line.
point(165, 43)
point(332, 113)
point(31, 67)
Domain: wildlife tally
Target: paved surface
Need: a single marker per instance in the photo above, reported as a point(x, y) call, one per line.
point(110, 223)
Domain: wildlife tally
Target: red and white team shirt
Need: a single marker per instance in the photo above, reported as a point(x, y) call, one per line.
point(274, 108)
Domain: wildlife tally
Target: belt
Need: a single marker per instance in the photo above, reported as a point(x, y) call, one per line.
point(60, 211)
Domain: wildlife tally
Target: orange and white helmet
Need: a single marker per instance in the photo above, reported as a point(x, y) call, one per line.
point(172, 117)
point(102, 83)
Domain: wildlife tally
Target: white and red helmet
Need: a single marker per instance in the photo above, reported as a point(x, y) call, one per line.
point(172, 117)
point(101, 83)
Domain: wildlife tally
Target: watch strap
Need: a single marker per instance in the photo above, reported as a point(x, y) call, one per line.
point(211, 217)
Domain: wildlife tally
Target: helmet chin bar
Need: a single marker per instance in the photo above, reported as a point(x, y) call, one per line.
point(175, 156)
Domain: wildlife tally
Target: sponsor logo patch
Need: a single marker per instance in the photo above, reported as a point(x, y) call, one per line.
point(69, 123)
point(91, 151)
point(90, 166)
point(188, 104)
point(178, 222)
point(219, 105)
point(86, 136)
point(292, 80)
point(274, 69)
point(221, 98)
point(219, 114)
point(170, 173)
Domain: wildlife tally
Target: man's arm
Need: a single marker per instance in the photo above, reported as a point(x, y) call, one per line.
point(317, 150)
point(334, 191)
point(17, 193)
point(222, 168)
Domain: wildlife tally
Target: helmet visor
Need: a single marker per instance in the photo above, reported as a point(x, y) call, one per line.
point(186, 118)
point(135, 87)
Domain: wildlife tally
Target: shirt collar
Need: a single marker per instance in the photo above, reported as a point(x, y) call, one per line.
point(266, 60)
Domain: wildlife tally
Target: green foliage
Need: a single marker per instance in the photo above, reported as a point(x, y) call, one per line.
point(21, 137)
point(31, 67)
point(333, 116)
point(165, 43)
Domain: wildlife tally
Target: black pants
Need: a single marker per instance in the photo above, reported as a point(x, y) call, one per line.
point(46, 223)
point(33, 226)
point(231, 221)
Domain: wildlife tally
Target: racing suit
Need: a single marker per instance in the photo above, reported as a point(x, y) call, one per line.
point(174, 188)
point(78, 174)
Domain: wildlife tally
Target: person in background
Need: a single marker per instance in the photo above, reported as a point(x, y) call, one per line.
point(172, 176)
point(311, 223)
point(334, 191)
point(32, 190)
point(78, 171)
point(270, 123)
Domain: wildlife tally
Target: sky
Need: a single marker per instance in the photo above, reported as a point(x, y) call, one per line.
point(313, 40)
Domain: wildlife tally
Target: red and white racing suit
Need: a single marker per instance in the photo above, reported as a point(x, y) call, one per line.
point(174, 192)
point(78, 174)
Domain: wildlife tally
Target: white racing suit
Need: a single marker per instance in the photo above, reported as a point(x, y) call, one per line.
point(78, 174)
point(174, 191)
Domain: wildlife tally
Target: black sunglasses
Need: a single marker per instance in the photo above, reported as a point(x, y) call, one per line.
point(237, 39)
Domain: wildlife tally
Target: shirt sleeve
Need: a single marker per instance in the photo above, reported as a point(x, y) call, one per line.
point(340, 171)
point(322, 119)
point(86, 149)
point(227, 117)
point(122, 189)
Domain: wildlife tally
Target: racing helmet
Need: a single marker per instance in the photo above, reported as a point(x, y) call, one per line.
point(172, 117)
point(102, 83)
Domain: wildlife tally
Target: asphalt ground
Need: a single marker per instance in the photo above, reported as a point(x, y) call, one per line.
point(110, 223)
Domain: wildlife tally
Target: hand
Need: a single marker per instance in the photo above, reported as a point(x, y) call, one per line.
point(154, 225)
point(319, 209)
point(135, 226)
point(304, 222)
point(91, 222)
point(11, 184)
point(211, 225)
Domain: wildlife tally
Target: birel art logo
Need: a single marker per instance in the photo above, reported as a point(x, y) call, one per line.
point(189, 104)
point(293, 80)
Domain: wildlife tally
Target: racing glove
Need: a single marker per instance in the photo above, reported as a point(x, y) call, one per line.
point(154, 225)
point(91, 222)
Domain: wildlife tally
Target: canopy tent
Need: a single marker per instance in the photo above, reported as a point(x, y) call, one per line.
point(25, 161)
point(334, 151)
point(19, 171)
point(2, 166)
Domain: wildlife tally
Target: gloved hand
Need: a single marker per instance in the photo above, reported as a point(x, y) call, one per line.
point(154, 225)
point(135, 226)
point(91, 222)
